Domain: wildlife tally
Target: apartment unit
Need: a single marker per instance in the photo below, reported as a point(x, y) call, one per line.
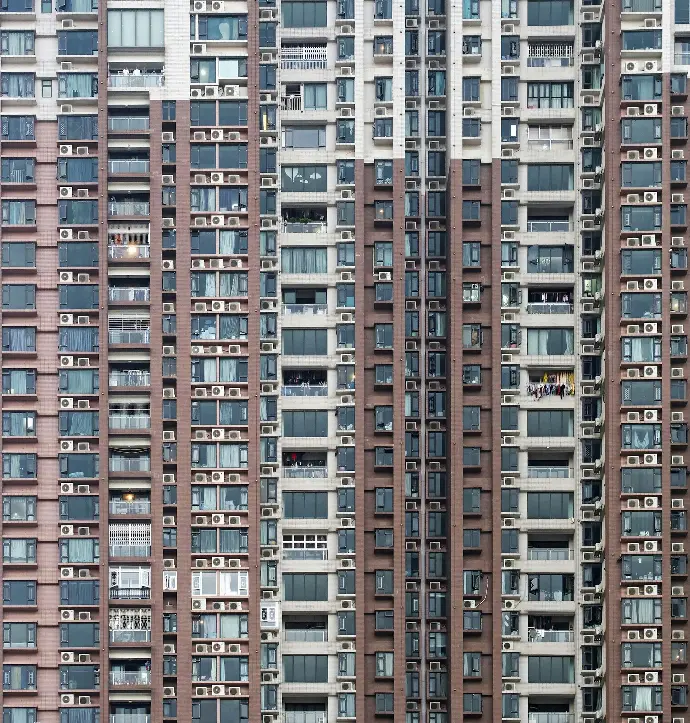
point(344, 360)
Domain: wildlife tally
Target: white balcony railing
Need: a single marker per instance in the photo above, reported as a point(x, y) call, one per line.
point(306, 636)
point(123, 507)
point(131, 166)
point(303, 57)
point(305, 472)
point(130, 251)
point(549, 553)
point(558, 307)
point(537, 635)
point(304, 390)
point(133, 378)
point(130, 293)
point(291, 102)
point(136, 80)
point(130, 677)
point(549, 472)
point(129, 421)
point(310, 309)
point(129, 123)
point(130, 718)
point(128, 208)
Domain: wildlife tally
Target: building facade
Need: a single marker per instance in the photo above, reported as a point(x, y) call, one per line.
point(344, 360)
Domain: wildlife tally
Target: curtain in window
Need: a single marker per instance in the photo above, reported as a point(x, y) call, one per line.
point(78, 382)
point(80, 424)
point(80, 550)
point(233, 199)
point(233, 284)
point(233, 455)
point(18, 213)
point(640, 613)
point(17, 381)
point(203, 199)
point(18, 549)
point(18, 85)
point(315, 96)
point(233, 327)
point(18, 339)
point(78, 339)
point(204, 284)
point(76, 85)
point(204, 370)
point(642, 698)
point(233, 498)
point(232, 370)
point(204, 498)
point(233, 242)
point(304, 260)
point(204, 455)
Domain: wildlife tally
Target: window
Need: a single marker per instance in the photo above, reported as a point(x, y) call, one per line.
point(18, 509)
point(305, 668)
point(550, 95)
point(305, 341)
point(19, 635)
point(549, 12)
point(17, 85)
point(641, 87)
point(551, 423)
point(18, 550)
point(549, 505)
point(549, 177)
point(305, 586)
point(18, 296)
point(384, 665)
point(19, 677)
point(17, 127)
point(19, 715)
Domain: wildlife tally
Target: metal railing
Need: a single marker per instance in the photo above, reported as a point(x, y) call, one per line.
point(125, 166)
point(130, 593)
point(130, 677)
point(305, 472)
point(682, 58)
point(304, 716)
point(129, 464)
point(548, 144)
point(133, 718)
point(304, 390)
point(304, 227)
point(548, 226)
point(125, 336)
point(134, 378)
point(129, 208)
point(122, 507)
point(129, 251)
point(133, 80)
point(130, 636)
point(129, 421)
point(130, 293)
point(298, 554)
point(313, 309)
point(304, 57)
point(291, 102)
point(537, 635)
point(129, 123)
point(130, 550)
point(549, 553)
point(562, 62)
point(549, 472)
point(550, 718)
point(306, 636)
point(558, 307)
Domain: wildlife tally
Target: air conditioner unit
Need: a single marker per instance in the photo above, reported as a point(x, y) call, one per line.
point(650, 153)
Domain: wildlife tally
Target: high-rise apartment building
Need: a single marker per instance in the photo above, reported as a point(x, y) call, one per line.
point(344, 350)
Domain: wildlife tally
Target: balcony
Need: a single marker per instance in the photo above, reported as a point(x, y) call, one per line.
point(554, 472)
point(129, 336)
point(121, 678)
point(538, 635)
point(129, 550)
point(129, 421)
point(126, 507)
point(303, 57)
point(304, 390)
point(307, 309)
point(305, 635)
point(130, 593)
point(129, 463)
point(129, 718)
point(305, 716)
point(131, 378)
point(550, 718)
point(304, 227)
point(128, 208)
point(550, 55)
point(305, 554)
point(291, 102)
point(548, 226)
point(135, 79)
point(544, 307)
point(128, 123)
point(129, 166)
point(129, 293)
point(547, 554)
point(130, 636)
point(130, 251)
point(307, 472)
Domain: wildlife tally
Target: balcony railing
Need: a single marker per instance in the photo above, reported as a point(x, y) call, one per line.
point(125, 336)
point(550, 718)
point(304, 716)
point(130, 718)
point(129, 421)
point(549, 472)
point(123, 507)
point(548, 226)
point(130, 550)
point(129, 123)
point(305, 472)
point(130, 636)
point(537, 635)
point(304, 227)
point(133, 378)
point(304, 390)
point(131, 293)
point(682, 58)
point(129, 251)
point(129, 208)
point(291, 102)
point(130, 677)
point(130, 464)
point(304, 57)
point(311, 309)
point(306, 636)
point(134, 80)
point(550, 144)
point(125, 166)
point(130, 593)
point(292, 554)
point(560, 307)
point(549, 553)
point(550, 62)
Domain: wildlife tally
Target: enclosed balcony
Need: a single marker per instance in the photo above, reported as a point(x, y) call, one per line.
point(305, 713)
point(545, 550)
point(128, 375)
point(308, 465)
point(130, 674)
point(129, 330)
point(131, 539)
point(550, 55)
point(550, 301)
point(130, 583)
point(554, 716)
point(550, 629)
point(130, 625)
point(553, 384)
point(310, 301)
point(543, 467)
point(129, 290)
point(305, 383)
point(128, 163)
point(129, 460)
point(129, 714)
point(128, 120)
point(134, 204)
point(305, 547)
point(542, 222)
point(130, 503)
point(151, 76)
point(297, 629)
